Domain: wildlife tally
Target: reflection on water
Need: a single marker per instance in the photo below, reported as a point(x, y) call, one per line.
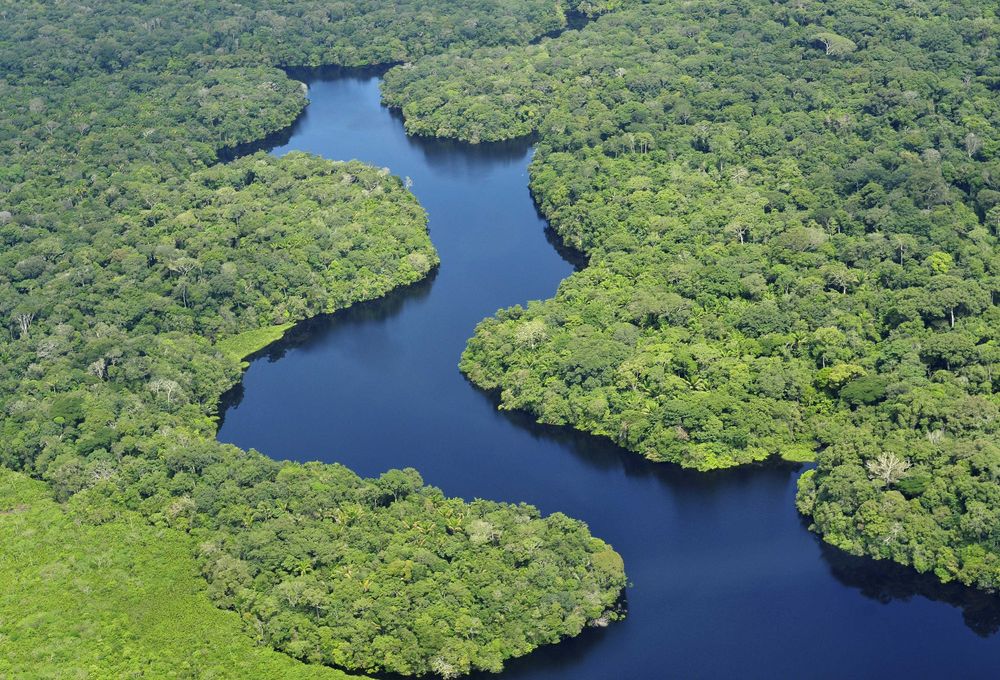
point(317, 330)
point(726, 581)
point(887, 582)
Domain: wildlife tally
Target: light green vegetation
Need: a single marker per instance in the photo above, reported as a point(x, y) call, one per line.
point(136, 272)
point(119, 600)
point(238, 347)
point(798, 454)
point(791, 212)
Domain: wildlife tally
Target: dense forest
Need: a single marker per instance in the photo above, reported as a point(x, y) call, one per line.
point(137, 272)
point(790, 212)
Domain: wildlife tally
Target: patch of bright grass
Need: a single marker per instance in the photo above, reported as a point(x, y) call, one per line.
point(118, 600)
point(798, 453)
point(239, 347)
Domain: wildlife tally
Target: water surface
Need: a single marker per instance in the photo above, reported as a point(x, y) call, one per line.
point(726, 579)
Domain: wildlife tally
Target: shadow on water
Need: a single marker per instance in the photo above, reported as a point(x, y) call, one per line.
point(271, 141)
point(317, 330)
point(452, 153)
point(305, 75)
point(438, 152)
point(550, 659)
point(575, 257)
point(326, 74)
point(888, 582)
point(601, 453)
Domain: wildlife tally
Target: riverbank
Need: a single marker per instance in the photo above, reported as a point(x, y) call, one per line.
point(726, 580)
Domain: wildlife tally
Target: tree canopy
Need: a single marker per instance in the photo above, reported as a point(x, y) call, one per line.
point(790, 212)
point(137, 272)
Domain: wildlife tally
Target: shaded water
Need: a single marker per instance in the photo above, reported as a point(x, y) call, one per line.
point(726, 579)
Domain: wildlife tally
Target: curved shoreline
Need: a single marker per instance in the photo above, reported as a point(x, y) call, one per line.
point(399, 295)
point(344, 350)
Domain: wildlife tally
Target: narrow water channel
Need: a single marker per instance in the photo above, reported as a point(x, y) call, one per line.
point(726, 579)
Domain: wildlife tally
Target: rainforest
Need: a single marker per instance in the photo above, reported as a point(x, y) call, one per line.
point(790, 213)
point(745, 258)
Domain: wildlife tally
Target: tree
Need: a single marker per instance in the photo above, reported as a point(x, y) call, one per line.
point(973, 143)
point(98, 368)
point(23, 321)
point(166, 388)
point(829, 344)
point(903, 243)
point(939, 262)
point(531, 333)
point(948, 295)
point(839, 276)
point(835, 45)
point(888, 467)
point(183, 267)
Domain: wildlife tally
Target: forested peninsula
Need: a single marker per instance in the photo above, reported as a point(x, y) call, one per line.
point(790, 212)
point(137, 272)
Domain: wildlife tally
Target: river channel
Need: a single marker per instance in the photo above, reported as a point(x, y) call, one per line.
point(726, 579)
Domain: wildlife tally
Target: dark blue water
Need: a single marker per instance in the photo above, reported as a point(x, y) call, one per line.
point(726, 579)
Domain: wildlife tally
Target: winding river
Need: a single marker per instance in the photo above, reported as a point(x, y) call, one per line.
point(726, 579)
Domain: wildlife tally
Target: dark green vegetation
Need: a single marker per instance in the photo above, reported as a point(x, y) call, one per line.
point(791, 213)
point(136, 273)
point(45, 41)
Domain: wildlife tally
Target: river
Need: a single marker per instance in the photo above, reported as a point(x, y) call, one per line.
point(726, 579)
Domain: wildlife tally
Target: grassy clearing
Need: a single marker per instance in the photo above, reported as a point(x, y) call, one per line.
point(798, 453)
point(240, 346)
point(119, 600)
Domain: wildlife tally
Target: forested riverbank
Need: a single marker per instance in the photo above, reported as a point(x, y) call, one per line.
point(135, 274)
point(724, 577)
point(791, 215)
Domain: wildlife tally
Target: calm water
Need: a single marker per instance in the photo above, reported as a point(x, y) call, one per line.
point(726, 579)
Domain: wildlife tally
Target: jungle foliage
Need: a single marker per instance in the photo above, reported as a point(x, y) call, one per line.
point(791, 213)
point(136, 272)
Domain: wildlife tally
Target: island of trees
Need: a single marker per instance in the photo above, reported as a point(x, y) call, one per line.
point(137, 272)
point(790, 212)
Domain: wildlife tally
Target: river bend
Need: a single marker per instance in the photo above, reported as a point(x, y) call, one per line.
point(726, 580)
